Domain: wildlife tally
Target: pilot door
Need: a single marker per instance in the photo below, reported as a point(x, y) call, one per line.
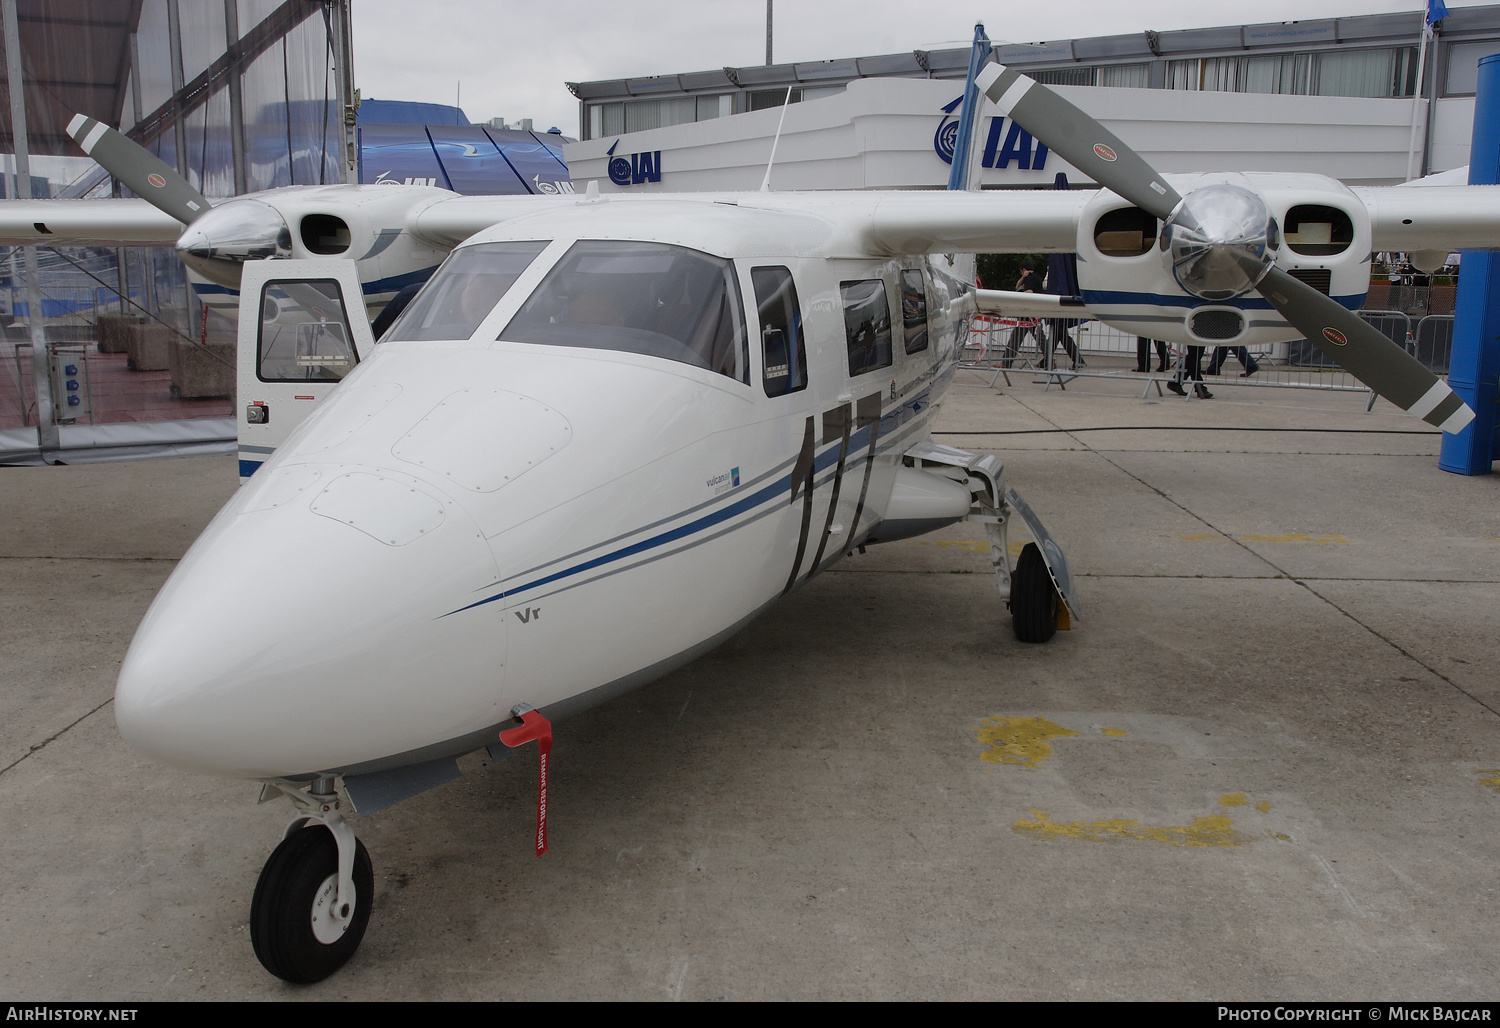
point(297, 340)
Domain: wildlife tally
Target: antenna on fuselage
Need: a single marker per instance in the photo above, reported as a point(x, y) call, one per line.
point(765, 183)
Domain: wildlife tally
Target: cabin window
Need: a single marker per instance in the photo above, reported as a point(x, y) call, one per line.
point(304, 333)
point(867, 325)
point(781, 345)
point(464, 290)
point(648, 298)
point(914, 310)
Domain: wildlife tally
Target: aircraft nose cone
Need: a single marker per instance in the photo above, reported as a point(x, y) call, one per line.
point(220, 241)
point(303, 631)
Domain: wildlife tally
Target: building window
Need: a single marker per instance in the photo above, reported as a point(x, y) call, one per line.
point(761, 99)
point(1380, 73)
point(1135, 76)
point(1390, 72)
point(613, 119)
point(1463, 67)
point(1065, 77)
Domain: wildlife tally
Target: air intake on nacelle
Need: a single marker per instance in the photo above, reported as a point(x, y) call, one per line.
point(1320, 279)
point(1216, 324)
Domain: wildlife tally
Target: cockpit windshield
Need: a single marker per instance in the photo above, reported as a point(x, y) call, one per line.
point(464, 290)
point(648, 298)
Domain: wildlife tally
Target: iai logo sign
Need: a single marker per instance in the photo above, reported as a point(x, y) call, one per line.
point(1004, 143)
point(640, 167)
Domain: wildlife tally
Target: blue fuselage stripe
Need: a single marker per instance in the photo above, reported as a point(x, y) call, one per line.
point(780, 487)
point(1112, 297)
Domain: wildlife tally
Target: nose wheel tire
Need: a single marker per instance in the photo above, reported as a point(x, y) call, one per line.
point(1033, 597)
point(293, 924)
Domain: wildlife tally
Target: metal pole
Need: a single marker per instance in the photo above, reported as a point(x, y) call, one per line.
point(348, 99)
point(236, 99)
point(768, 33)
point(174, 42)
point(48, 438)
point(1416, 106)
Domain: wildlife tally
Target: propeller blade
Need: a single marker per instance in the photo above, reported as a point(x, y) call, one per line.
point(1077, 138)
point(1365, 352)
point(148, 176)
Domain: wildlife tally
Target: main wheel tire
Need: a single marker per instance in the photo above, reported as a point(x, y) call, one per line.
point(294, 887)
point(1033, 597)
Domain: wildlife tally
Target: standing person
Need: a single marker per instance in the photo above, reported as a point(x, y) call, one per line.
point(1057, 328)
point(1143, 355)
point(1221, 355)
point(1062, 280)
point(1029, 282)
point(1191, 367)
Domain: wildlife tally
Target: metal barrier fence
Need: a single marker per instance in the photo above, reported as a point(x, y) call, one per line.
point(1295, 365)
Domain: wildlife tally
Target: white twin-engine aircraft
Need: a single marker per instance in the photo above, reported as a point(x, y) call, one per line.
point(524, 499)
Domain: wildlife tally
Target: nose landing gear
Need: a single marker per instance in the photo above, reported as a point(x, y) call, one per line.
point(313, 899)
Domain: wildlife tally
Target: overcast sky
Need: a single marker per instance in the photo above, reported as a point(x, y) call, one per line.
point(512, 59)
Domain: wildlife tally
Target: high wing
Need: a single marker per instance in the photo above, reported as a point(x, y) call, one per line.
point(86, 223)
point(1433, 217)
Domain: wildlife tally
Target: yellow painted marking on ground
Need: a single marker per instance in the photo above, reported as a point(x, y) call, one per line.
point(1216, 830)
point(1295, 537)
point(1290, 537)
point(1264, 806)
point(1489, 777)
point(1019, 740)
point(1114, 733)
point(1232, 799)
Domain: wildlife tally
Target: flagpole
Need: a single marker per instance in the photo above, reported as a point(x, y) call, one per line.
point(1416, 104)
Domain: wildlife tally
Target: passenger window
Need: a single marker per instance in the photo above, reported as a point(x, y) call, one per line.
point(304, 333)
point(781, 345)
point(914, 311)
point(867, 325)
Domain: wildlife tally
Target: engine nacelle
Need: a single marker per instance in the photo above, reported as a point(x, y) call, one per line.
point(1320, 234)
point(361, 223)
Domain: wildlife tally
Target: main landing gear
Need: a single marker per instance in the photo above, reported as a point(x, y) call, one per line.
point(1034, 601)
point(313, 899)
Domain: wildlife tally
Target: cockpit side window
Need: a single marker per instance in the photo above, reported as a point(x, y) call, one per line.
point(782, 348)
point(638, 297)
point(464, 290)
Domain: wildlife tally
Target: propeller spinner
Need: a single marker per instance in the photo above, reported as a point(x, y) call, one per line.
point(1222, 241)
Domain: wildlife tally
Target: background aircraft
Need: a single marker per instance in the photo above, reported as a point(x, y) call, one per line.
point(581, 458)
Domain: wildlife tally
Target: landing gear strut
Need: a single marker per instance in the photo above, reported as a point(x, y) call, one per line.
point(313, 899)
point(1039, 592)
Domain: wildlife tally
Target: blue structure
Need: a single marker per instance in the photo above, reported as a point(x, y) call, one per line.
point(968, 116)
point(435, 145)
point(1474, 369)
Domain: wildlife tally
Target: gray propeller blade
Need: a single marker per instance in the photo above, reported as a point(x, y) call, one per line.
point(1365, 353)
point(1077, 138)
point(147, 175)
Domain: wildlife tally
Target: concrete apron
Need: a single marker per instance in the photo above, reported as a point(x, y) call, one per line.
point(1263, 766)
